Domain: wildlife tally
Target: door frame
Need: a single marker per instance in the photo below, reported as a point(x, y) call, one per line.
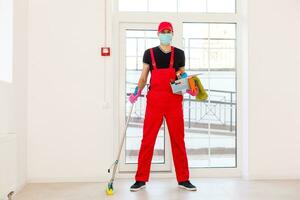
point(241, 84)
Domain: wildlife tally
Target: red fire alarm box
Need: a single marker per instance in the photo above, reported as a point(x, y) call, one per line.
point(105, 51)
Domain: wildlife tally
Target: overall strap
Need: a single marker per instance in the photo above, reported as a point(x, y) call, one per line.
point(153, 59)
point(172, 57)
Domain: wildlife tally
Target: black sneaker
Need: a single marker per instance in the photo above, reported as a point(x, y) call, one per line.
point(187, 185)
point(137, 186)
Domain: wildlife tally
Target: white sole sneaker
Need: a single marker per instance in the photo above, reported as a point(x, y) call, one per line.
point(186, 188)
point(137, 189)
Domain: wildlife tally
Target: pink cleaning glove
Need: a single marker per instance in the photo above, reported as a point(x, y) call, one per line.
point(189, 91)
point(134, 96)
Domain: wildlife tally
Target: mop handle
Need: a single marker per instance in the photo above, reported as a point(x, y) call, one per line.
point(121, 145)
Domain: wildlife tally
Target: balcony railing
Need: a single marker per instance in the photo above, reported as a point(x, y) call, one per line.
point(213, 118)
point(218, 111)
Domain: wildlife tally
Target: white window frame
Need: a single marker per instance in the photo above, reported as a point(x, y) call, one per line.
point(119, 18)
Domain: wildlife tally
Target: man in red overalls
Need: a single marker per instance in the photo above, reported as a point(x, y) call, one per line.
point(166, 63)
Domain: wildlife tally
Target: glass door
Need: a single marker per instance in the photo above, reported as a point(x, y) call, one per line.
point(210, 126)
point(134, 40)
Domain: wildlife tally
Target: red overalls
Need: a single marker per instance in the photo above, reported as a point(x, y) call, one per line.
point(162, 102)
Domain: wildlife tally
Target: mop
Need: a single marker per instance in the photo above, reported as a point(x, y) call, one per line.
point(110, 189)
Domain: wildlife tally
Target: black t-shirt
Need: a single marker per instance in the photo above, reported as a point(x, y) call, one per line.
point(162, 59)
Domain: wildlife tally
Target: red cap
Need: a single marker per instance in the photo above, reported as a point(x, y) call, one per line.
point(165, 25)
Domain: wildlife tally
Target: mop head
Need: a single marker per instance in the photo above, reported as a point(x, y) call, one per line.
point(109, 189)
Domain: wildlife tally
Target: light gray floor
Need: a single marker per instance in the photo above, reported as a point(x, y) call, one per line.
point(166, 189)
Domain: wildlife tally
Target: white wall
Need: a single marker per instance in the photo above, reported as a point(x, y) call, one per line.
point(6, 30)
point(20, 85)
point(8, 148)
point(274, 85)
point(6, 107)
point(13, 94)
point(6, 87)
point(8, 167)
point(70, 133)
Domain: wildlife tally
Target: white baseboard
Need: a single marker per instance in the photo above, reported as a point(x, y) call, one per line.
point(193, 174)
point(130, 175)
point(20, 187)
point(273, 177)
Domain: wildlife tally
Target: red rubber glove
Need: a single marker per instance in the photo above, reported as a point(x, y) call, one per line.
point(134, 96)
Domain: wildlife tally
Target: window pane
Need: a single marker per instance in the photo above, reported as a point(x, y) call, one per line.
point(191, 5)
point(133, 143)
point(222, 44)
point(221, 6)
point(134, 34)
point(221, 114)
point(198, 43)
point(131, 47)
point(141, 47)
point(131, 63)
point(210, 125)
point(151, 34)
point(140, 62)
point(222, 58)
point(222, 31)
point(133, 5)
point(197, 143)
point(200, 6)
point(151, 43)
point(198, 58)
point(195, 30)
point(137, 41)
point(163, 5)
